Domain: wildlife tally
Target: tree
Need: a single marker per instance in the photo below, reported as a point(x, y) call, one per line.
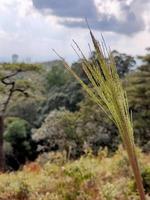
point(62, 89)
point(77, 67)
point(124, 62)
point(28, 110)
point(13, 84)
point(138, 90)
point(145, 61)
point(64, 130)
point(57, 132)
point(18, 136)
point(57, 76)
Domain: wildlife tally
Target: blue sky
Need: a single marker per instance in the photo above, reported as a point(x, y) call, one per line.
point(31, 28)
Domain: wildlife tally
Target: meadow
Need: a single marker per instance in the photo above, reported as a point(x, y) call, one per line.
point(52, 177)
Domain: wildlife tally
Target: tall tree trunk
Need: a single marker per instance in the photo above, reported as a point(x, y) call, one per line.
point(2, 159)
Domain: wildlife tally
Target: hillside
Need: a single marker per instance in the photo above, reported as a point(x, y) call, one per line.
point(51, 177)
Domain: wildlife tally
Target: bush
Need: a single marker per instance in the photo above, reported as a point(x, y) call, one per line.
point(16, 131)
point(146, 179)
point(18, 139)
point(89, 178)
point(57, 76)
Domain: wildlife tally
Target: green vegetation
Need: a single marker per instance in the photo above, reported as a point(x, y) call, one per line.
point(88, 178)
point(138, 89)
point(13, 84)
point(60, 141)
point(18, 137)
point(56, 76)
point(107, 92)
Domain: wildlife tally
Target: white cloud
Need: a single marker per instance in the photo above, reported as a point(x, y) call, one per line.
point(131, 45)
point(110, 7)
point(25, 31)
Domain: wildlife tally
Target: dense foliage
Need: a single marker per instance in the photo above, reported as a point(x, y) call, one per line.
point(138, 88)
point(59, 116)
point(19, 146)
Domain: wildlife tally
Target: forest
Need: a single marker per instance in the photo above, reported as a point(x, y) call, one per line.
point(56, 143)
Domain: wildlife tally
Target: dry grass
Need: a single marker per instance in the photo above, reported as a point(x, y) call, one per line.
point(89, 178)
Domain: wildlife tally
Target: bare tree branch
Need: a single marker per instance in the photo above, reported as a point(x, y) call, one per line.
point(6, 81)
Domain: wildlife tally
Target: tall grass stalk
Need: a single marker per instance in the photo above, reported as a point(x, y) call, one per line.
point(106, 90)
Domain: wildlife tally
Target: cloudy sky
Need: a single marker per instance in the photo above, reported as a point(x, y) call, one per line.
point(31, 28)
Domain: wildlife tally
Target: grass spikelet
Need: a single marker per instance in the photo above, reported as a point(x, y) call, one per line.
point(106, 90)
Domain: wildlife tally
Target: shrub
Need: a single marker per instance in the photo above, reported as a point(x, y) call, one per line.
point(146, 179)
point(18, 136)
